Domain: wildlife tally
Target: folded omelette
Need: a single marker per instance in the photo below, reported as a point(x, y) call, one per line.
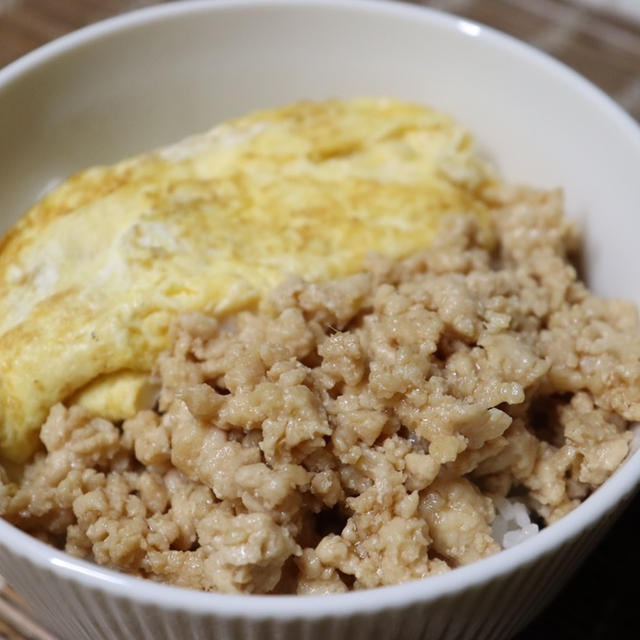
point(92, 275)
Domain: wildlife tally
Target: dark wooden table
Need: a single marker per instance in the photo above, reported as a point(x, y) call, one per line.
point(601, 600)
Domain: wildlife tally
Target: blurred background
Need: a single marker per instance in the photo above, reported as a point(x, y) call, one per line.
point(598, 38)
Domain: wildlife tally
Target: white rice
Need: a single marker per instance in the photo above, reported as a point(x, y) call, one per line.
point(512, 523)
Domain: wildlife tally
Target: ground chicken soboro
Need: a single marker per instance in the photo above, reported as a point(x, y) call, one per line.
point(355, 435)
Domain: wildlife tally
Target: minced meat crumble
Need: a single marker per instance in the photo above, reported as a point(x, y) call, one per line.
point(355, 433)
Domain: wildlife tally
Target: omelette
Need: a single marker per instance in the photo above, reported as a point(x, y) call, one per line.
point(92, 275)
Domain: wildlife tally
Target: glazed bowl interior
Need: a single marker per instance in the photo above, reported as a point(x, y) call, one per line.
point(146, 79)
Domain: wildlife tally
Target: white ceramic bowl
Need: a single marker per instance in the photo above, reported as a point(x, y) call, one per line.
point(151, 77)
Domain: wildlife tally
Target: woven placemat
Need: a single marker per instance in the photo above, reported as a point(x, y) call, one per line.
point(599, 44)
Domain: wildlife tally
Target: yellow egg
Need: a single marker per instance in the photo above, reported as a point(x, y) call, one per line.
point(92, 275)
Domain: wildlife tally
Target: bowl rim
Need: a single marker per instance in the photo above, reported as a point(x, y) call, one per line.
point(601, 503)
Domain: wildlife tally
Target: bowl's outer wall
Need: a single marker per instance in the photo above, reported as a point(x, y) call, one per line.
point(111, 94)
